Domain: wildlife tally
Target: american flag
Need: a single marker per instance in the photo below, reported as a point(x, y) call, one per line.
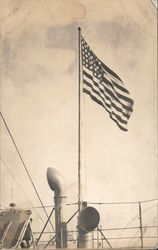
point(105, 87)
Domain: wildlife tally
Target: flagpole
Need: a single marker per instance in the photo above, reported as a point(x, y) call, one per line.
point(79, 119)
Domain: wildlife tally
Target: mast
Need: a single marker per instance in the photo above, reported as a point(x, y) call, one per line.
point(79, 119)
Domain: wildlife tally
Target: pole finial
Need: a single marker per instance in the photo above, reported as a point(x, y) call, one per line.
point(79, 28)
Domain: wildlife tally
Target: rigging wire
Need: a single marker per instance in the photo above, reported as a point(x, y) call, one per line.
point(24, 165)
point(122, 202)
point(104, 203)
point(14, 178)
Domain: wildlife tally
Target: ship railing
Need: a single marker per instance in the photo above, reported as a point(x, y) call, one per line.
point(140, 231)
point(98, 239)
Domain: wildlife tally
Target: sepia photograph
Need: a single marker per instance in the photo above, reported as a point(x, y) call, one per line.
point(78, 124)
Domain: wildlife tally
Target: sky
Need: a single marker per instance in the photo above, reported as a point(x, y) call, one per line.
point(39, 101)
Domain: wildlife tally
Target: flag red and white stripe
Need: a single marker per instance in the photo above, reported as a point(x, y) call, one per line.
point(105, 87)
